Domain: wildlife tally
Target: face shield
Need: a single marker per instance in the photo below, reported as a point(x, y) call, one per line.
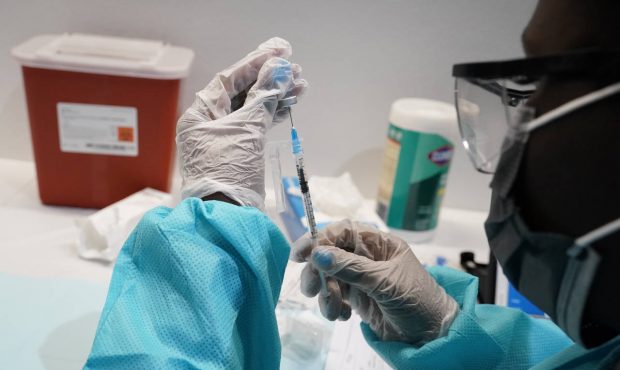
point(486, 110)
point(491, 97)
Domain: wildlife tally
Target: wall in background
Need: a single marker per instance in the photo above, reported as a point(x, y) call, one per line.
point(359, 56)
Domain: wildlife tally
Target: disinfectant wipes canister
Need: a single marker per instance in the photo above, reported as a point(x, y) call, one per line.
point(415, 166)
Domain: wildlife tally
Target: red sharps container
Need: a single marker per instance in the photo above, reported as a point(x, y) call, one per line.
point(102, 114)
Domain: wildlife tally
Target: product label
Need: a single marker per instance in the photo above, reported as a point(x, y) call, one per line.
point(415, 169)
point(386, 180)
point(98, 129)
point(441, 156)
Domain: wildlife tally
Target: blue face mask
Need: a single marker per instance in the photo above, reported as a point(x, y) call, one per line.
point(554, 271)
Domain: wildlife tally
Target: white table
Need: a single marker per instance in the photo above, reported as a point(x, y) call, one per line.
point(50, 299)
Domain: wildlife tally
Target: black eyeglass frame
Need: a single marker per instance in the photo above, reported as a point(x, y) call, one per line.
point(586, 63)
point(581, 63)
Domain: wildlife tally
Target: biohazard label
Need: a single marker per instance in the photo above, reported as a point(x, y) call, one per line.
point(98, 129)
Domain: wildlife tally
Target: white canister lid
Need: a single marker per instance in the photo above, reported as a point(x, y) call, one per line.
point(105, 55)
point(425, 115)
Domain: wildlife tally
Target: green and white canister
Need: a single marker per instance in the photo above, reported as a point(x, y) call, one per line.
point(415, 166)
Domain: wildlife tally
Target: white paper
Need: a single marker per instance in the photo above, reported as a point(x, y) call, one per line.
point(98, 129)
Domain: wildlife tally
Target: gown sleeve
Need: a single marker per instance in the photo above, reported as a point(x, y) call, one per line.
point(194, 287)
point(481, 336)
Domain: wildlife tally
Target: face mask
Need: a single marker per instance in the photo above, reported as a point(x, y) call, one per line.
point(554, 271)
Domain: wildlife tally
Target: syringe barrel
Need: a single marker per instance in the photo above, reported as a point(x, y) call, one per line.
point(309, 214)
point(301, 174)
point(305, 193)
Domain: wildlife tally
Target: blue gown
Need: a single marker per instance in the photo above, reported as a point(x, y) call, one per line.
point(196, 287)
point(492, 337)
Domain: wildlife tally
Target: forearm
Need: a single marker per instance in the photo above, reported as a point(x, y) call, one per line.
point(219, 196)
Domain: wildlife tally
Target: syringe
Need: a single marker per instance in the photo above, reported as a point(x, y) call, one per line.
point(298, 153)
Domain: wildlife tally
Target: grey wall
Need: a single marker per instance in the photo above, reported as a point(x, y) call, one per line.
point(359, 56)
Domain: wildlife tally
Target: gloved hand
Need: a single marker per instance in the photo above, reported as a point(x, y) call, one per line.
point(221, 149)
point(377, 275)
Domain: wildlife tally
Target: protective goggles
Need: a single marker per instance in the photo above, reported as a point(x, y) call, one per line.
point(491, 97)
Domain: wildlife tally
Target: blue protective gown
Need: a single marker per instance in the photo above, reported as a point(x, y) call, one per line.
point(492, 337)
point(196, 287)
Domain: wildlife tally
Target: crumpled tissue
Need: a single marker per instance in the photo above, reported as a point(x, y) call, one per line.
point(339, 198)
point(102, 235)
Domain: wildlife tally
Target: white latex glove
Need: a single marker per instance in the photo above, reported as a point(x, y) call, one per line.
point(221, 150)
point(377, 275)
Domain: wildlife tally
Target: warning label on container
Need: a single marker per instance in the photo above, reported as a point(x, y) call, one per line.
point(98, 129)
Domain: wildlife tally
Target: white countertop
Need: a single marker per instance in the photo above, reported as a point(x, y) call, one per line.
point(38, 258)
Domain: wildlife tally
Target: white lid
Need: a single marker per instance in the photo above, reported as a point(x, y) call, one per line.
point(414, 237)
point(425, 115)
point(105, 55)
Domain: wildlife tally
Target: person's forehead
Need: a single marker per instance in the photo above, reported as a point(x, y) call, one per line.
point(558, 26)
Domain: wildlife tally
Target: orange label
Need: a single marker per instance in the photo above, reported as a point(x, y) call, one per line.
point(125, 134)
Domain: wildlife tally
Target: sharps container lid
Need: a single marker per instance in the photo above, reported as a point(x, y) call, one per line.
point(105, 55)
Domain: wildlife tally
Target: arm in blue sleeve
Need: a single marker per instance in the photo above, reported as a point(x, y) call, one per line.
point(194, 287)
point(481, 336)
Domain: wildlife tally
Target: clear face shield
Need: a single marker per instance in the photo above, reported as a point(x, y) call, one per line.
point(488, 112)
point(491, 98)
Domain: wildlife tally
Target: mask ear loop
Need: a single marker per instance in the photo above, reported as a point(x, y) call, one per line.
point(582, 266)
point(583, 261)
point(599, 233)
point(573, 105)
